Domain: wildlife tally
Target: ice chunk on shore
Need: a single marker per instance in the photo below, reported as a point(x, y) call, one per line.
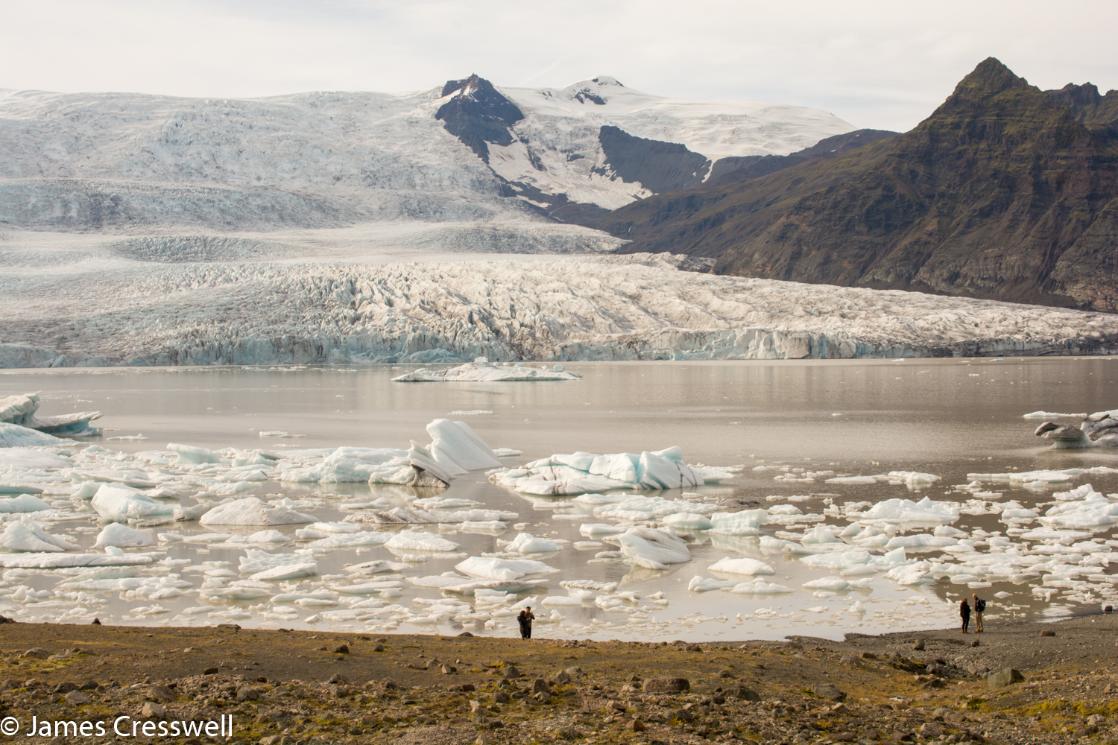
point(117, 503)
point(651, 548)
point(253, 511)
point(482, 371)
point(1099, 429)
point(26, 536)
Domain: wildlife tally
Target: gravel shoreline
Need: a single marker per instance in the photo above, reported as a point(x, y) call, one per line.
point(1020, 683)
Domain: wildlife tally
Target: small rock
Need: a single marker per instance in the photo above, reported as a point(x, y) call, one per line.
point(666, 685)
point(637, 726)
point(341, 649)
point(919, 645)
point(448, 669)
point(210, 671)
point(152, 710)
point(1048, 632)
point(1004, 677)
point(561, 677)
point(37, 653)
point(95, 622)
point(744, 693)
point(336, 679)
point(539, 685)
point(511, 671)
point(160, 694)
point(228, 627)
point(77, 698)
point(248, 693)
point(378, 648)
point(501, 697)
point(828, 691)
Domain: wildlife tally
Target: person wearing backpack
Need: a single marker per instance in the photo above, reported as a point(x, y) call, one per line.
point(979, 608)
point(964, 613)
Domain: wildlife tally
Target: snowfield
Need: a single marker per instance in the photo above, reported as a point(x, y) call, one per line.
point(112, 160)
point(92, 306)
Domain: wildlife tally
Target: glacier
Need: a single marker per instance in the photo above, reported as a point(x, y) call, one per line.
point(71, 305)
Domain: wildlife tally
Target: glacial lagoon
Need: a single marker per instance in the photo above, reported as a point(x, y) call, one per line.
point(830, 462)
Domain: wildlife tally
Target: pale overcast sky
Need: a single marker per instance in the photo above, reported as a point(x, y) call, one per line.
point(875, 63)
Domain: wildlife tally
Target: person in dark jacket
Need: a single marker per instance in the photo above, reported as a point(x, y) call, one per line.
point(964, 613)
point(525, 620)
point(979, 606)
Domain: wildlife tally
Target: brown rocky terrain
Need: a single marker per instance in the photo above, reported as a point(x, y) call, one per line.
point(1024, 683)
point(1005, 192)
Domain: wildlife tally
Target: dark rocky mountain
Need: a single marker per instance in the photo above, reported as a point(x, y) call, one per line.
point(660, 166)
point(1005, 191)
point(744, 168)
point(478, 114)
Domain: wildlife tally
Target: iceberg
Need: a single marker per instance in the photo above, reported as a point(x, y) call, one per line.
point(252, 511)
point(18, 436)
point(483, 371)
point(745, 566)
point(26, 536)
point(651, 548)
point(122, 536)
point(22, 410)
point(491, 568)
point(22, 503)
point(117, 503)
point(568, 474)
point(419, 542)
point(1099, 429)
point(526, 543)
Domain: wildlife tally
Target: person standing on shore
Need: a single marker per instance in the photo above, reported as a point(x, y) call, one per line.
point(964, 613)
point(525, 620)
point(979, 606)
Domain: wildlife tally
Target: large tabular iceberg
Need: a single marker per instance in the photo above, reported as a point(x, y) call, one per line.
point(482, 371)
point(568, 474)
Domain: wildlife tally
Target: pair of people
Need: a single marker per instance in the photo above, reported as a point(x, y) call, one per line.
point(525, 618)
point(979, 607)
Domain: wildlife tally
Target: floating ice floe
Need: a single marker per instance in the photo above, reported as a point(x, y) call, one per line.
point(746, 566)
point(117, 503)
point(568, 474)
point(25, 536)
point(1040, 480)
point(22, 410)
point(18, 436)
point(21, 504)
point(483, 371)
point(122, 536)
point(1099, 429)
point(485, 567)
point(252, 511)
point(418, 542)
point(455, 449)
point(908, 512)
point(912, 480)
point(526, 543)
point(651, 548)
point(68, 560)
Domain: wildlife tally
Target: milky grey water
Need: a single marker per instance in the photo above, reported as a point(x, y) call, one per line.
point(944, 417)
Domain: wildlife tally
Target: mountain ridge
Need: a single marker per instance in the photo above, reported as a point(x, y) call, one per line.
point(1004, 192)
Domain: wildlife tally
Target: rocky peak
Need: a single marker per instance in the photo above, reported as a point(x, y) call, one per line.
point(990, 78)
point(478, 114)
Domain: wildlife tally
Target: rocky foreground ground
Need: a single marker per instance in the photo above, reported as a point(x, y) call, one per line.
point(1053, 683)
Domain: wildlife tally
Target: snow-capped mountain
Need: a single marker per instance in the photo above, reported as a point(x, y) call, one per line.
point(466, 150)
